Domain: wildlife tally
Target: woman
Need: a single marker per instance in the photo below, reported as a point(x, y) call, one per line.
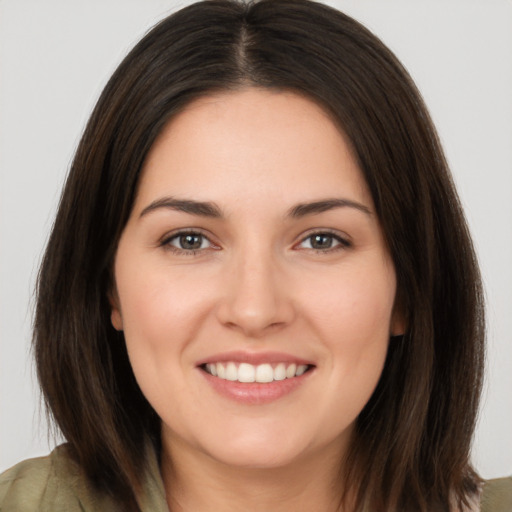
point(259, 291)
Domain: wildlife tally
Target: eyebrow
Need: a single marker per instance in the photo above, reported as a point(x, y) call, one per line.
point(201, 208)
point(212, 210)
point(315, 207)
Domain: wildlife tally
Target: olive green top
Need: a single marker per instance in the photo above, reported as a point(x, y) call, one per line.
point(57, 484)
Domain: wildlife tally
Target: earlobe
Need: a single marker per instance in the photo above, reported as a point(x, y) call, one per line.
point(397, 327)
point(398, 324)
point(116, 319)
point(115, 313)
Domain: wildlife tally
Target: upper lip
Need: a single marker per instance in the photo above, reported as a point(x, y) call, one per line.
point(254, 358)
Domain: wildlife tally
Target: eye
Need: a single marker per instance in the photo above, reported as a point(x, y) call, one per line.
point(324, 242)
point(188, 242)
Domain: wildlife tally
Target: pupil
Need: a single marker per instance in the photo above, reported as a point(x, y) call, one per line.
point(322, 241)
point(190, 241)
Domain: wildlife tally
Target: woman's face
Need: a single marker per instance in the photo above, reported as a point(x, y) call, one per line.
point(253, 284)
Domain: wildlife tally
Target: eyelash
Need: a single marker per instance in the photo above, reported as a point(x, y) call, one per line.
point(342, 243)
point(166, 242)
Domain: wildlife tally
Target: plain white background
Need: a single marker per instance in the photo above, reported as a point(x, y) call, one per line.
point(55, 57)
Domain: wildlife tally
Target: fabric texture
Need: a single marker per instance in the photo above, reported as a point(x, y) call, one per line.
point(57, 484)
point(497, 495)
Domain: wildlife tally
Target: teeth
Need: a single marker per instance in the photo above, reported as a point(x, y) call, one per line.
point(280, 372)
point(262, 373)
point(221, 371)
point(290, 371)
point(246, 373)
point(212, 369)
point(300, 370)
point(231, 372)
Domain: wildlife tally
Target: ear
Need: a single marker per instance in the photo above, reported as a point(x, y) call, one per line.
point(115, 311)
point(398, 324)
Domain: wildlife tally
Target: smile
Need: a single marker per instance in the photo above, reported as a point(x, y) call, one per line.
point(261, 373)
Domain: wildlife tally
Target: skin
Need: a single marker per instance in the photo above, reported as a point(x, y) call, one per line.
point(258, 283)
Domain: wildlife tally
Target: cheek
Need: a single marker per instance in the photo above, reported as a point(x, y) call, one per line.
point(162, 312)
point(353, 319)
point(158, 322)
point(159, 303)
point(355, 307)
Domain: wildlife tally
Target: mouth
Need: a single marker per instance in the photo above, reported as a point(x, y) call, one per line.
point(264, 373)
point(255, 378)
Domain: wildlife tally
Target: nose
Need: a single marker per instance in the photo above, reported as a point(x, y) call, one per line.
point(255, 298)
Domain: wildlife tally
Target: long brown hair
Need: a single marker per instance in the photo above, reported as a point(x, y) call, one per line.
point(410, 450)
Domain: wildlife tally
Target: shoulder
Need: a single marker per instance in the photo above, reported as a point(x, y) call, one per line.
point(54, 483)
point(497, 495)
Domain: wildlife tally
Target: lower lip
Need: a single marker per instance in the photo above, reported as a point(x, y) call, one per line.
point(255, 393)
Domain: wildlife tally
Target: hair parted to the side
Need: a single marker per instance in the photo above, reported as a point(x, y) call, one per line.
point(410, 450)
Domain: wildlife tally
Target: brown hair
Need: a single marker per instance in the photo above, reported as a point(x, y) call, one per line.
point(410, 451)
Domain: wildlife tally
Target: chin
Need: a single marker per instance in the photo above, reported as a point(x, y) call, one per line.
point(256, 457)
point(260, 448)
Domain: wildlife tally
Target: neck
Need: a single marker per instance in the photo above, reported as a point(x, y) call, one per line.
point(199, 483)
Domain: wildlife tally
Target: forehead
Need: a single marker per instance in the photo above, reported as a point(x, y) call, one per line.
point(252, 142)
